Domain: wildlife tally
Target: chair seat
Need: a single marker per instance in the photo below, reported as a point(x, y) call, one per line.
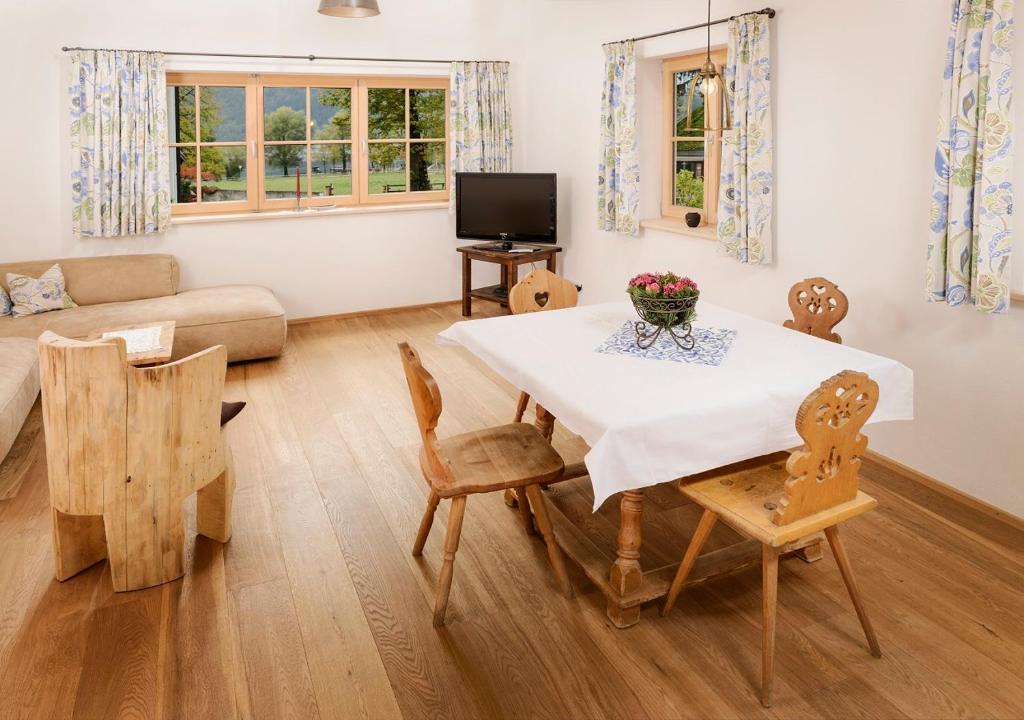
point(496, 458)
point(746, 498)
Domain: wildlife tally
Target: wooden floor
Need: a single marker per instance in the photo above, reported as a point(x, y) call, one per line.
point(317, 609)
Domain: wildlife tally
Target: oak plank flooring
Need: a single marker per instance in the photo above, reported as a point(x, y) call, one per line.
point(316, 607)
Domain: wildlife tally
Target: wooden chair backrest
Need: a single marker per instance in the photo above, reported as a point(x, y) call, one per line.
point(123, 437)
point(542, 290)
point(426, 401)
point(824, 472)
point(818, 305)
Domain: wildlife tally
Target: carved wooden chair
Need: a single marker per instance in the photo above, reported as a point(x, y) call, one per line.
point(498, 458)
point(818, 305)
point(539, 291)
point(124, 447)
point(542, 290)
point(815, 490)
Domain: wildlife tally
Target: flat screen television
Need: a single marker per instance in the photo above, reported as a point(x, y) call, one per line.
point(511, 207)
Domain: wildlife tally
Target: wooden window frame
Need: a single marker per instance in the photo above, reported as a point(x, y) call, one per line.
point(197, 81)
point(365, 85)
point(359, 141)
point(712, 140)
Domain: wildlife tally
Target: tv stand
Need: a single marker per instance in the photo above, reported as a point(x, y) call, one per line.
point(510, 259)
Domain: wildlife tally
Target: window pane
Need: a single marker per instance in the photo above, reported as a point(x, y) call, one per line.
point(331, 109)
point(181, 113)
point(224, 173)
point(689, 174)
point(183, 174)
point(426, 166)
point(683, 82)
point(280, 166)
point(426, 113)
point(222, 114)
point(332, 170)
point(387, 168)
point(284, 113)
point(386, 112)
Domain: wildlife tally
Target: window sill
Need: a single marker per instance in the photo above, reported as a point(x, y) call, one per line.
point(704, 232)
point(307, 213)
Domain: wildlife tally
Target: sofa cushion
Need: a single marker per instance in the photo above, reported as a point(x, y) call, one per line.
point(19, 386)
point(30, 295)
point(108, 278)
point(247, 319)
point(5, 303)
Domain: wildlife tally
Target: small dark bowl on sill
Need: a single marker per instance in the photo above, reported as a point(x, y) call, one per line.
point(693, 219)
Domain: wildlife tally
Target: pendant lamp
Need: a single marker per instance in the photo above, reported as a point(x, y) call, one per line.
point(712, 87)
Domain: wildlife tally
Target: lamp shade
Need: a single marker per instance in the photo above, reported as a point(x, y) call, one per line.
point(349, 8)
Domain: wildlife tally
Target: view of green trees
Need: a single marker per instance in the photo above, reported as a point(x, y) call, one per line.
point(689, 189)
point(222, 119)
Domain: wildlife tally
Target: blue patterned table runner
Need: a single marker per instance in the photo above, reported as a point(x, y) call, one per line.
point(710, 347)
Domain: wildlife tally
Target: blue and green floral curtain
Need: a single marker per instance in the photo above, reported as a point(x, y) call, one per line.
point(119, 164)
point(481, 119)
point(746, 191)
point(618, 175)
point(972, 199)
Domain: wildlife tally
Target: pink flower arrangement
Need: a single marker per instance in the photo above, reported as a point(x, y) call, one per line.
point(662, 285)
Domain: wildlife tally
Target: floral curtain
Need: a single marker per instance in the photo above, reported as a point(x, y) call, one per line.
point(119, 165)
point(745, 194)
point(972, 198)
point(481, 119)
point(618, 175)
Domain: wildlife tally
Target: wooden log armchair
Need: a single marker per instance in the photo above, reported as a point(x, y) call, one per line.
point(815, 490)
point(124, 447)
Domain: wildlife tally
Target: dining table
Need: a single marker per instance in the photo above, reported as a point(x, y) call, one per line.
point(652, 416)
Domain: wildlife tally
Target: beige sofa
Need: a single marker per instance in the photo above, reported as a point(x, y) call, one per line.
point(130, 289)
point(19, 385)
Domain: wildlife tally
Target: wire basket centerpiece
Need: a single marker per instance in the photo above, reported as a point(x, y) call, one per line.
point(665, 302)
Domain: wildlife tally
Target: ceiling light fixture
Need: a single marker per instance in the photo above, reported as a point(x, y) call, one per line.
point(349, 8)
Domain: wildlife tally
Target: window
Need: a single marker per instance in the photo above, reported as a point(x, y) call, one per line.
point(692, 158)
point(273, 142)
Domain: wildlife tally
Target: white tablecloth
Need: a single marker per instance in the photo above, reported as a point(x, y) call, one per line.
point(651, 421)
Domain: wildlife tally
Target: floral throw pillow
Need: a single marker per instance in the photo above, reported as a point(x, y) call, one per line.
point(5, 302)
point(31, 295)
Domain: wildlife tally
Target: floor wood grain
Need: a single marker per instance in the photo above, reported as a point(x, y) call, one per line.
point(317, 609)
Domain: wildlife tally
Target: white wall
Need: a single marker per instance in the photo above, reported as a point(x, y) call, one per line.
point(316, 265)
point(856, 103)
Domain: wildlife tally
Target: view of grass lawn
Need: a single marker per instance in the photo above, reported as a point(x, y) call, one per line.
point(342, 182)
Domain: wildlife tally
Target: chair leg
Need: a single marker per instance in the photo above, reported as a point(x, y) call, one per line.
point(843, 561)
point(524, 400)
point(700, 535)
point(213, 506)
point(540, 511)
point(524, 511)
point(451, 546)
point(425, 524)
point(769, 604)
point(78, 542)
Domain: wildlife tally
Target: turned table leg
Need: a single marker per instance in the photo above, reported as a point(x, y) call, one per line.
point(545, 422)
point(626, 575)
point(811, 553)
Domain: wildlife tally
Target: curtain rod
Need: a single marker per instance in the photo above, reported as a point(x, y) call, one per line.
point(311, 58)
point(770, 12)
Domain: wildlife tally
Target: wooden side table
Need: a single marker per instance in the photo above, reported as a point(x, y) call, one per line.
point(509, 261)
